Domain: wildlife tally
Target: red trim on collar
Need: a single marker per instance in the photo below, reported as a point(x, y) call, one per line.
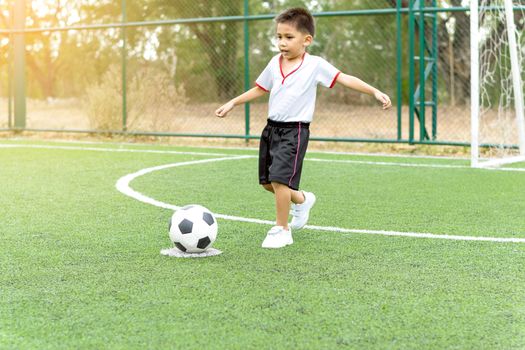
point(295, 70)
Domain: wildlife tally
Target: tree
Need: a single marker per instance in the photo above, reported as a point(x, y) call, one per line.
point(56, 59)
point(219, 40)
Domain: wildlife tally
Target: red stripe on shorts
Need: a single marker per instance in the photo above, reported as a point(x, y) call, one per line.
point(296, 154)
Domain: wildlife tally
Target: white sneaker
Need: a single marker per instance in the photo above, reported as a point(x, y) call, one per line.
point(301, 211)
point(278, 237)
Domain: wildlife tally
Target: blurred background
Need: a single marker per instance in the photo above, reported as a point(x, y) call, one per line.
point(164, 66)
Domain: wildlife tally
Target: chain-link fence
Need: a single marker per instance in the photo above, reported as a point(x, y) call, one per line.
point(163, 67)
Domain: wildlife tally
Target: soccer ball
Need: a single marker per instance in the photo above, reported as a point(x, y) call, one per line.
point(193, 229)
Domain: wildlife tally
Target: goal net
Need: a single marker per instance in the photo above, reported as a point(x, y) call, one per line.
point(497, 89)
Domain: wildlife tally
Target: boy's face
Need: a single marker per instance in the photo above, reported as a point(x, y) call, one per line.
point(291, 42)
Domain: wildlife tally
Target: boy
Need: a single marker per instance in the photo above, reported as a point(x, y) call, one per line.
point(291, 78)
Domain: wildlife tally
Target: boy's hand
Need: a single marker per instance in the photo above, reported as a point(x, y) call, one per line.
point(383, 98)
point(224, 109)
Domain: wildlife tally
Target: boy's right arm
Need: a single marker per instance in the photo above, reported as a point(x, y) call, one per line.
point(359, 85)
point(249, 95)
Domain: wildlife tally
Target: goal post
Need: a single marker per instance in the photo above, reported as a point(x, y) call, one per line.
point(497, 69)
point(518, 67)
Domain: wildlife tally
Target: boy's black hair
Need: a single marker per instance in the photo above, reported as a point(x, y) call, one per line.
point(300, 17)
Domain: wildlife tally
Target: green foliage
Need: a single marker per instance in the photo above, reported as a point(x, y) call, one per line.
point(220, 42)
point(212, 54)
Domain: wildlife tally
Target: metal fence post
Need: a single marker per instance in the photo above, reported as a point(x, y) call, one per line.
point(422, 62)
point(411, 78)
point(10, 72)
point(20, 64)
point(124, 71)
point(247, 84)
point(434, 72)
point(399, 58)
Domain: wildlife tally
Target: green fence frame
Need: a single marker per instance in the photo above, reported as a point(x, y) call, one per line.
point(416, 9)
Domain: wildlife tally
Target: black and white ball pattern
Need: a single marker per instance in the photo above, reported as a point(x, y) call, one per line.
point(193, 229)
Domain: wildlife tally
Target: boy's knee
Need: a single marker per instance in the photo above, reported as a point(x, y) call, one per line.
point(268, 187)
point(278, 186)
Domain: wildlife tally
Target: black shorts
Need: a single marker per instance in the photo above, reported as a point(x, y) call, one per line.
point(281, 152)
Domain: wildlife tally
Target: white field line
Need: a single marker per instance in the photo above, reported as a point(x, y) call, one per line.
point(123, 150)
point(413, 165)
point(364, 154)
point(118, 150)
point(386, 155)
point(123, 185)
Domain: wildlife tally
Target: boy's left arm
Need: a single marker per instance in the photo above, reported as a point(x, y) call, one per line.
point(359, 85)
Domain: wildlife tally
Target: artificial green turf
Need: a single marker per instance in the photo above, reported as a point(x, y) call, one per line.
point(436, 200)
point(80, 264)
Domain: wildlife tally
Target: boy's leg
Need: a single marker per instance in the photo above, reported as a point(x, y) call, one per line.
point(268, 187)
point(280, 235)
point(297, 197)
point(283, 196)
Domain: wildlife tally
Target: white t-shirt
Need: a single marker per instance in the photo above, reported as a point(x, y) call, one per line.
point(292, 97)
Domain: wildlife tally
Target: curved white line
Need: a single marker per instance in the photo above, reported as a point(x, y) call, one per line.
point(123, 183)
point(123, 186)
